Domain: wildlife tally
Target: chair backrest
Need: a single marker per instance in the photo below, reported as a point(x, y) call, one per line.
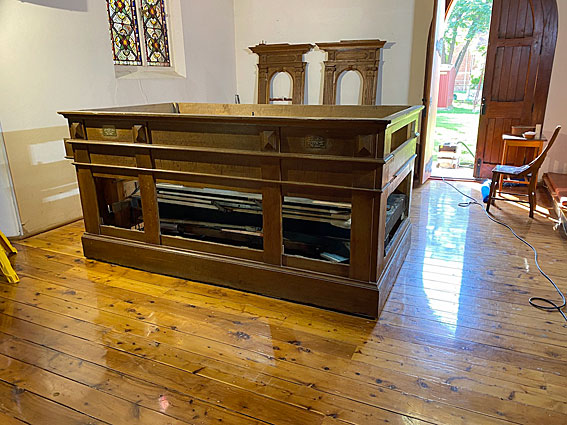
point(535, 165)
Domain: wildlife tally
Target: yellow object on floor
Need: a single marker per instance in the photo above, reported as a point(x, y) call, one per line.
point(7, 249)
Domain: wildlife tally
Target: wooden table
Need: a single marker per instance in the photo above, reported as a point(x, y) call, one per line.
point(520, 145)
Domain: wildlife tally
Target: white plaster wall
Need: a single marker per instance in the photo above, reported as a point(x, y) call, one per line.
point(403, 23)
point(9, 220)
point(56, 55)
point(556, 111)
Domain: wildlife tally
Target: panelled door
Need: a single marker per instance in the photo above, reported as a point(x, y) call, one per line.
point(518, 69)
point(431, 91)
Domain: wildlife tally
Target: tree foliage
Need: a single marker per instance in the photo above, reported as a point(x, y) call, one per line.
point(468, 19)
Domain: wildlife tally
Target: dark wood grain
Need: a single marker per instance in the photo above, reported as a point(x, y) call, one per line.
point(520, 54)
point(357, 155)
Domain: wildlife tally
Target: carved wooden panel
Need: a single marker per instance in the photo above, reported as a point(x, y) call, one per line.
point(274, 58)
point(351, 55)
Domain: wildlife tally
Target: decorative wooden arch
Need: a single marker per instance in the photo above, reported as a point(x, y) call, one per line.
point(351, 55)
point(274, 58)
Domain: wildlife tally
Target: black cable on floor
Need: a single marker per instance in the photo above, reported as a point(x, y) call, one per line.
point(534, 301)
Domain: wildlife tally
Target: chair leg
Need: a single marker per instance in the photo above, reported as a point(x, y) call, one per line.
point(493, 185)
point(532, 195)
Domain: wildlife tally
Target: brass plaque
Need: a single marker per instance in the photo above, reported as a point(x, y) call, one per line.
point(315, 142)
point(109, 131)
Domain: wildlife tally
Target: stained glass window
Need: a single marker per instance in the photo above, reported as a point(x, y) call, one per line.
point(129, 49)
point(124, 32)
point(155, 32)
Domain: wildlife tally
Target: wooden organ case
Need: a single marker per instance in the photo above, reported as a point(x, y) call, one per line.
point(304, 203)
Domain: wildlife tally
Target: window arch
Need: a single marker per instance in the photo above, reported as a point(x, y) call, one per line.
point(349, 88)
point(281, 88)
point(130, 18)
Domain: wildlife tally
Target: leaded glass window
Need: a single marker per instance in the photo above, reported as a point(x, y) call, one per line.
point(124, 32)
point(126, 17)
point(155, 32)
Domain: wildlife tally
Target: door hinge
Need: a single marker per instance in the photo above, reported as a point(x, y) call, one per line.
point(483, 106)
point(478, 164)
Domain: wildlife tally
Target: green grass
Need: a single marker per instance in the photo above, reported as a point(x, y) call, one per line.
point(465, 109)
point(459, 124)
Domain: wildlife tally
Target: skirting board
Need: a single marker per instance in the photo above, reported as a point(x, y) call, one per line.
point(311, 288)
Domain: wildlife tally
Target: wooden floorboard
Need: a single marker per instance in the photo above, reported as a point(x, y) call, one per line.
point(87, 342)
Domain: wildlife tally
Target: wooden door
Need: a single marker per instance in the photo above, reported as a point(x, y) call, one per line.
point(431, 90)
point(519, 59)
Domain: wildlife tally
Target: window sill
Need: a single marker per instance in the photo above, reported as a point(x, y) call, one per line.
point(145, 73)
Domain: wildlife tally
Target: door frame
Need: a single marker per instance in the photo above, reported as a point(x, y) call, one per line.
point(430, 98)
point(543, 78)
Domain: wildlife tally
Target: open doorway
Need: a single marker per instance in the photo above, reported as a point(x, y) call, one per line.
point(463, 56)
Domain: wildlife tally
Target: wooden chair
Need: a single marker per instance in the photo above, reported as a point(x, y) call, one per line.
point(528, 171)
point(6, 249)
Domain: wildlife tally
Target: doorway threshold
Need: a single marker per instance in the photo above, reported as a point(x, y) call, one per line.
point(458, 179)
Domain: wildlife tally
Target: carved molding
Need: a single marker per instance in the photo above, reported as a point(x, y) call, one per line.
point(139, 134)
point(77, 131)
point(351, 55)
point(342, 56)
point(274, 58)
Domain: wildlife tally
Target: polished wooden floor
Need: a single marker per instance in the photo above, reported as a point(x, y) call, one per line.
point(88, 342)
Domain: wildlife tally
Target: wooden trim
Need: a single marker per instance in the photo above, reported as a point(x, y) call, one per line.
point(396, 241)
point(212, 247)
point(118, 232)
point(401, 174)
point(220, 180)
point(401, 155)
point(275, 281)
point(414, 116)
point(113, 148)
point(338, 115)
point(393, 265)
point(297, 262)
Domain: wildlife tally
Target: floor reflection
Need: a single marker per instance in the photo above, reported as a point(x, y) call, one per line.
point(444, 249)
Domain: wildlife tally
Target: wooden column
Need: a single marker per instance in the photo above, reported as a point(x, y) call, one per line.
point(329, 94)
point(369, 86)
point(272, 224)
point(87, 190)
point(150, 210)
point(361, 249)
point(379, 234)
point(298, 85)
point(272, 201)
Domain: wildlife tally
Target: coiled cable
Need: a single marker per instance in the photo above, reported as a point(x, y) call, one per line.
point(534, 301)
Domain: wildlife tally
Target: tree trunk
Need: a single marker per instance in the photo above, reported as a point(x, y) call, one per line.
point(461, 56)
point(452, 48)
